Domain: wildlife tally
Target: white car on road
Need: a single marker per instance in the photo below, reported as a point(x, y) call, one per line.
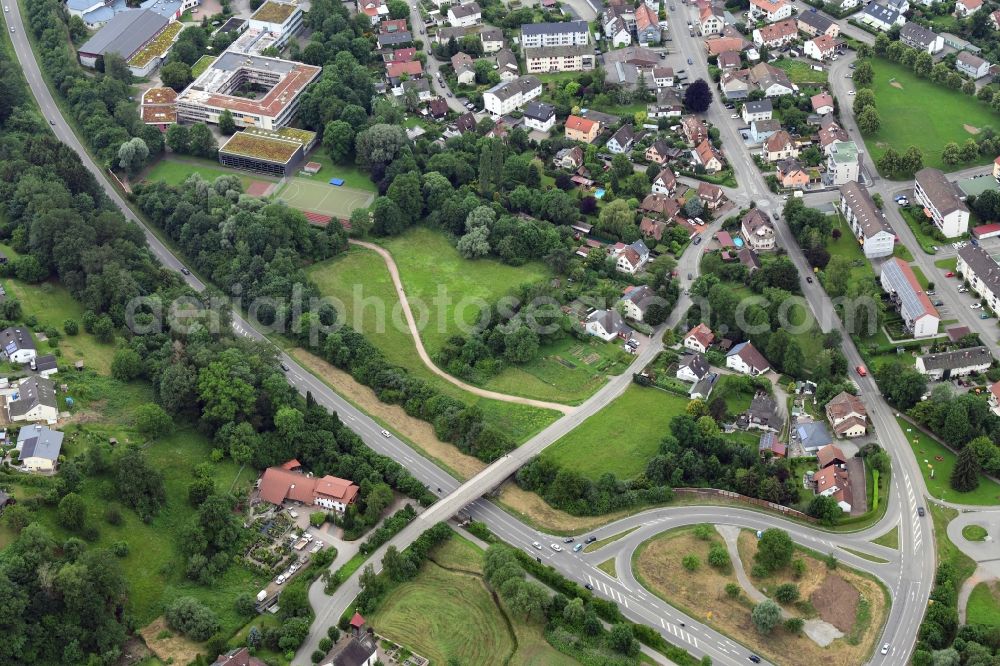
point(976, 306)
point(556, 547)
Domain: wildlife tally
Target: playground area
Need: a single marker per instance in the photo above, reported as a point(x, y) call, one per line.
point(322, 198)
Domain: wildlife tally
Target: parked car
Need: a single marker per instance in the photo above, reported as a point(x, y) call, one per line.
point(984, 315)
point(690, 61)
point(697, 241)
point(851, 92)
point(949, 274)
point(938, 304)
point(284, 367)
point(754, 658)
point(588, 586)
point(976, 306)
point(735, 116)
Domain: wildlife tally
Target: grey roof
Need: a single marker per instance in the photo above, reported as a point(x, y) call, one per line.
point(610, 320)
point(915, 34)
point(869, 217)
point(697, 362)
point(815, 20)
point(350, 652)
point(231, 61)
point(39, 441)
point(518, 86)
point(491, 35)
point(813, 435)
point(625, 136)
point(640, 249)
point(764, 409)
point(506, 58)
point(969, 60)
point(31, 392)
point(565, 51)
point(47, 362)
point(770, 125)
point(417, 85)
point(14, 339)
point(395, 38)
point(983, 265)
point(635, 55)
point(939, 190)
point(704, 385)
point(960, 358)
point(882, 13)
point(461, 11)
point(750, 356)
point(760, 106)
point(554, 28)
point(125, 33)
point(539, 111)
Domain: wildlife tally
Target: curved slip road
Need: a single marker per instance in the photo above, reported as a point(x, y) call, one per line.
point(411, 323)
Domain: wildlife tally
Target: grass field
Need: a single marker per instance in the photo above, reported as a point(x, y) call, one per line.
point(922, 114)
point(358, 266)
point(319, 196)
point(984, 605)
point(736, 401)
point(974, 533)
point(423, 615)
point(622, 437)
point(947, 551)
point(914, 218)
point(799, 71)
point(890, 539)
point(431, 268)
point(353, 176)
point(937, 459)
point(847, 246)
point(175, 171)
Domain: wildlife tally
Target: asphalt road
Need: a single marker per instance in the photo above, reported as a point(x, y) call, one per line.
point(915, 570)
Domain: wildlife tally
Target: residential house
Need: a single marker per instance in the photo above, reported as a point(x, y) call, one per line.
point(375, 10)
point(658, 152)
point(779, 146)
point(729, 60)
point(769, 444)
point(492, 39)
point(748, 258)
point(17, 345)
point(966, 8)
point(568, 33)
point(33, 399)
point(711, 18)
point(812, 436)
point(830, 454)
point(996, 173)
point(981, 271)
point(941, 202)
point(958, 363)
point(504, 98)
point(695, 130)
point(867, 222)
point(822, 103)
point(660, 204)
point(46, 366)
point(845, 5)
point(881, 17)
point(437, 107)
point(647, 25)
point(823, 47)
point(835, 482)
point(465, 72)
point(719, 45)
point(630, 259)
point(699, 338)
point(465, 123)
point(621, 141)
point(848, 418)
point(582, 129)
point(759, 110)
point(972, 65)
point(918, 37)
point(444, 35)
point(711, 195)
point(607, 325)
point(763, 414)
point(692, 367)
point(667, 105)
point(507, 65)
point(393, 39)
point(771, 10)
point(762, 130)
point(546, 59)
point(776, 35)
point(278, 484)
point(617, 32)
point(995, 19)
point(358, 649)
point(665, 182)
point(707, 156)
point(770, 80)
point(569, 158)
point(994, 399)
point(38, 448)
point(815, 24)
point(791, 174)
point(745, 359)
point(829, 133)
point(703, 389)
point(652, 229)
point(735, 85)
point(842, 164)
point(539, 116)
point(396, 71)
point(466, 15)
point(418, 86)
point(758, 230)
point(663, 77)
point(636, 300)
point(238, 657)
point(639, 56)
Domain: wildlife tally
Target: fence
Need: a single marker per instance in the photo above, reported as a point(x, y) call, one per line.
point(730, 495)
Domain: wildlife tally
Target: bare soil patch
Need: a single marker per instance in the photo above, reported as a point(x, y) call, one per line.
point(971, 129)
point(536, 510)
point(896, 84)
point(419, 432)
point(173, 649)
point(837, 602)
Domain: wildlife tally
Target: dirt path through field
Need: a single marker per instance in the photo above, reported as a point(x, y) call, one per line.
point(425, 357)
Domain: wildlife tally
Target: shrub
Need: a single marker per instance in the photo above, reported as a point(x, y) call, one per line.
point(691, 562)
point(317, 656)
point(786, 593)
point(191, 618)
point(733, 590)
point(120, 548)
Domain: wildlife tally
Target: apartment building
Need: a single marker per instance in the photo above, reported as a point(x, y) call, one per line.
point(941, 202)
point(866, 220)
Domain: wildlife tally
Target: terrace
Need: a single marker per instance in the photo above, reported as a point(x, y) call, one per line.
point(258, 146)
point(158, 47)
point(273, 12)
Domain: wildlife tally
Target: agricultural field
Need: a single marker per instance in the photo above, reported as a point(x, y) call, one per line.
point(916, 112)
point(449, 592)
point(622, 437)
point(364, 270)
point(937, 460)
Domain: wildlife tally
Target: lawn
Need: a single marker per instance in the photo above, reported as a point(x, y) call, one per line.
point(847, 246)
point(974, 533)
point(448, 289)
point(937, 460)
point(363, 270)
point(984, 605)
point(352, 175)
point(947, 264)
point(890, 539)
point(947, 552)
point(921, 278)
point(155, 565)
point(915, 221)
point(175, 172)
point(622, 437)
point(800, 71)
point(919, 113)
point(423, 614)
point(737, 401)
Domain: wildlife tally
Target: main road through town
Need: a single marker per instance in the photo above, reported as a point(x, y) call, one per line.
point(907, 575)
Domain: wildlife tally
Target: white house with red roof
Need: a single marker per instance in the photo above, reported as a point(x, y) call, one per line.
point(278, 484)
point(823, 47)
point(665, 182)
point(745, 359)
point(995, 398)
point(699, 338)
point(995, 19)
point(777, 34)
point(822, 103)
point(772, 10)
point(966, 8)
point(630, 258)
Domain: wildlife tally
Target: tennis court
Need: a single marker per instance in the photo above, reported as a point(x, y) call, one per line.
point(321, 197)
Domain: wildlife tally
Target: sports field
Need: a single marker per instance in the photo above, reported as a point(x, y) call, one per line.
point(320, 197)
point(916, 112)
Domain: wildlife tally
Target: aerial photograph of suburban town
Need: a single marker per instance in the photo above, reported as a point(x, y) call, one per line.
point(499, 332)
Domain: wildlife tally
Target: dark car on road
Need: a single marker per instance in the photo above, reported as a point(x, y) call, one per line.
point(591, 539)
